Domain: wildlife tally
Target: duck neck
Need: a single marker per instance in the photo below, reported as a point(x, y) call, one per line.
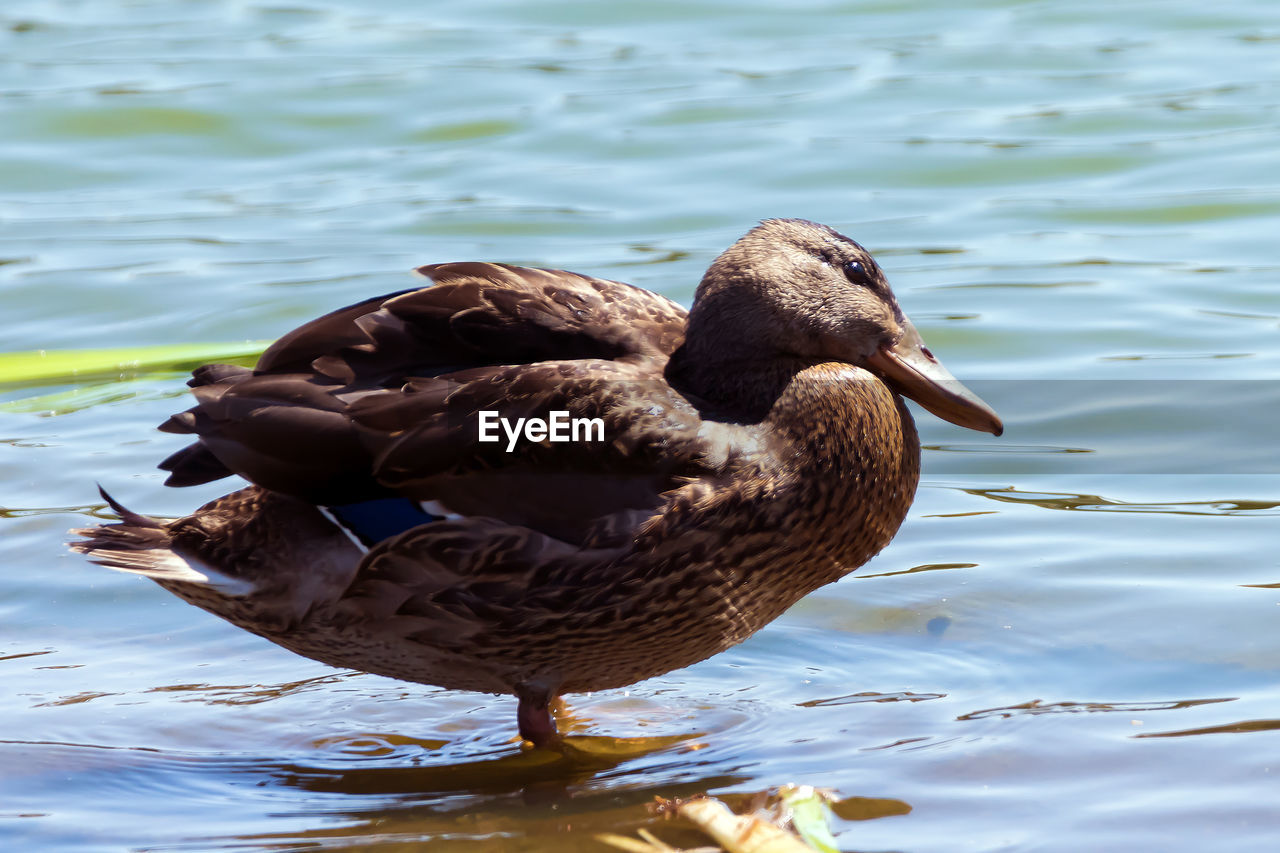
point(734, 379)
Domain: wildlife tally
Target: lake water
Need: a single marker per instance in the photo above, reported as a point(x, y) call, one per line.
point(1071, 645)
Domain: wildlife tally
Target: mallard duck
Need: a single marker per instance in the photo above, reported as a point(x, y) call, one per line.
point(751, 450)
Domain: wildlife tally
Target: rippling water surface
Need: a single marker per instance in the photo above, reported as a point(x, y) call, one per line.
point(1072, 643)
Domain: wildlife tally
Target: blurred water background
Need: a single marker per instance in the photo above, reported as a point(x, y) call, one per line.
point(1071, 645)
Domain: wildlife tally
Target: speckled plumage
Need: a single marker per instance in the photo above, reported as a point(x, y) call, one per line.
point(754, 450)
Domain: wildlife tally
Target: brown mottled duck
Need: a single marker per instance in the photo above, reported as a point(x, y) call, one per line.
point(751, 450)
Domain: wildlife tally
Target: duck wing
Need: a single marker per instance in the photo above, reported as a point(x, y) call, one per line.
point(384, 398)
point(481, 313)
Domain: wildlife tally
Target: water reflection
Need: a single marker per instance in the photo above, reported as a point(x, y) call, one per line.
point(485, 801)
point(1098, 503)
point(541, 775)
point(1243, 727)
point(246, 694)
point(869, 808)
point(926, 567)
point(1036, 707)
point(856, 698)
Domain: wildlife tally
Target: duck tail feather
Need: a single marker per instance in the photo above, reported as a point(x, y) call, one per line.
point(143, 546)
point(127, 515)
point(136, 544)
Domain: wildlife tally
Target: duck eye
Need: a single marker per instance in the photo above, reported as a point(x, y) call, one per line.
point(855, 272)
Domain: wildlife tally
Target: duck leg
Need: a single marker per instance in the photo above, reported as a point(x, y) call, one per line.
point(537, 725)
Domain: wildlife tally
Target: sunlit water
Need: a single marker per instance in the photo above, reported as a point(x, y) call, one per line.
point(1072, 643)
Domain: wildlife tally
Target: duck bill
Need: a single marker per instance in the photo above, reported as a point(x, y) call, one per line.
point(910, 369)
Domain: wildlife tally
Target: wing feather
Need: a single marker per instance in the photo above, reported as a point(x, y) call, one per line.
point(384, 397)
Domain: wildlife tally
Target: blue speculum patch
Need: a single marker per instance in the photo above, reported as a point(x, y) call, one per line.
point(376, 520)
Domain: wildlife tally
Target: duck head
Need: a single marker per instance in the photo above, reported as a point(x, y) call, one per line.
point(794, 289)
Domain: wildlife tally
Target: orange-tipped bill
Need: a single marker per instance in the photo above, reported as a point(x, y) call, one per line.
point(910, 369)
